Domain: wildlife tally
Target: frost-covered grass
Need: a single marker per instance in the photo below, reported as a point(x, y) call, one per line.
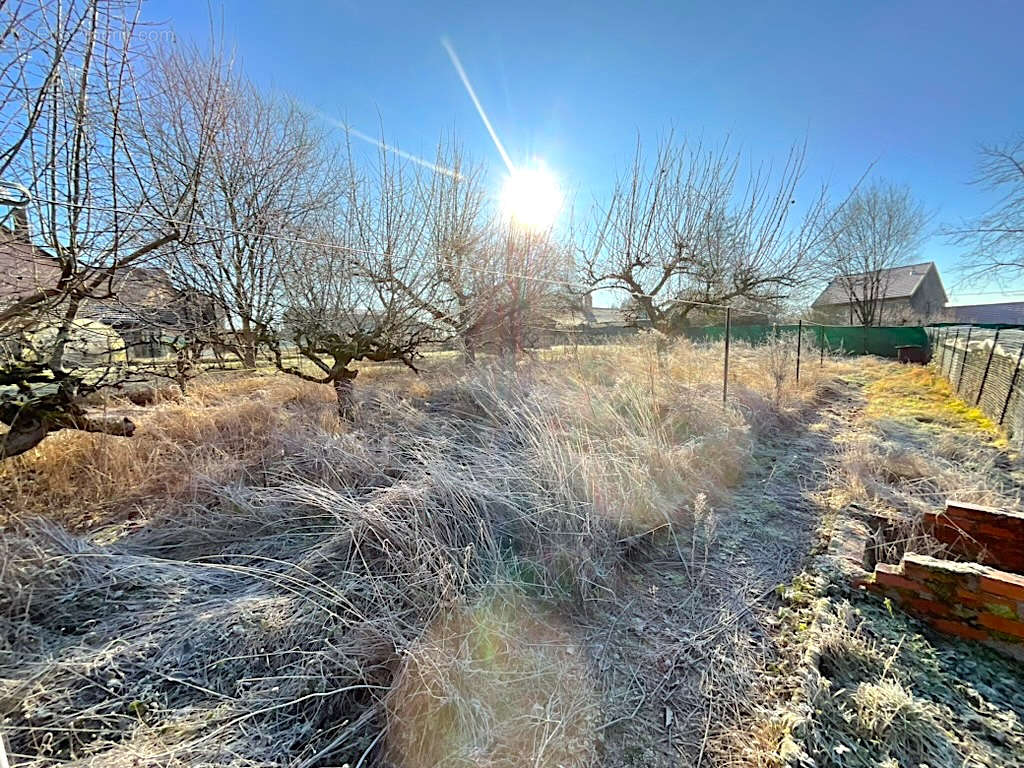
point(249, 581)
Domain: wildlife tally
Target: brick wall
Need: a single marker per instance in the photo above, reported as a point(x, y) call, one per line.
point(983, 534)
point(964, 599)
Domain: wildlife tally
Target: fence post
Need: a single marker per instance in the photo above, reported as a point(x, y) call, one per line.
point(821, 346)
point(963, 362)
point(799, 340)
point(725, 367)
point(956, 338)
point(988, 365)
point(1013, 383)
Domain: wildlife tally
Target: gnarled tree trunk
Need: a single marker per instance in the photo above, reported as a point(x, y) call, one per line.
point(343, 385)
point(27, 426)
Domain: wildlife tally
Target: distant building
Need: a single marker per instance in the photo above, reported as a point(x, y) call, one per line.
point(908, 295)
point(1005, 313)
point(24, 268)
point(145, 309)
point(583, 321)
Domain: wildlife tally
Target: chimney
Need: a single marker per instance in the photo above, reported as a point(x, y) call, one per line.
point(19, 224)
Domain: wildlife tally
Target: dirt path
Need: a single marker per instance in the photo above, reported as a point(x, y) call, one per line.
point(691, 652)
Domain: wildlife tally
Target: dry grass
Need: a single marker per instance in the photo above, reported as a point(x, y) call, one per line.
point(917, 445)
point(288, 589)
point(228, 430)
point(870, 687)
point(922, 394)
point(489, 684)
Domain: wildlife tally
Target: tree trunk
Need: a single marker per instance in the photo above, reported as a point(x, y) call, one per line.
point(26, 433)
point(247, 344)
point(247, 352)
point(64, 335)
point(343, 386)
point(28, 426)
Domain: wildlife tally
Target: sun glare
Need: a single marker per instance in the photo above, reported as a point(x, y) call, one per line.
point(531, 197)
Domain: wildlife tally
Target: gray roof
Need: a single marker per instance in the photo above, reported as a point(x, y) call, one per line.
point(593, 316)
point(1008, 312)
point(896, 283)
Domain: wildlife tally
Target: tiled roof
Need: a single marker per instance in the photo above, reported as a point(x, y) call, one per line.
point(896, 283)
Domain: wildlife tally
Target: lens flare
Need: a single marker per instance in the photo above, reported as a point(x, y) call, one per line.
point(494, 684)
point(531, 197)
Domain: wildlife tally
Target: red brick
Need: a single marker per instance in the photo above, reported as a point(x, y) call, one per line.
point(944, 567)
point(946, 520)
point(1004, 584)
point(921, 573)
point(959, 629)
point(931, 571)
point(927, 607)
point(998, 532)
point(979, 511)
point(979, 599)
point(895, 581)
point(999, 624)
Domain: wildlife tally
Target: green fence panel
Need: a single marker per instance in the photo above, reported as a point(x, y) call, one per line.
point(852, 340)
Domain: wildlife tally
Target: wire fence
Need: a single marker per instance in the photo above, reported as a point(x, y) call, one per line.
point(983, 366)
point(811, 342)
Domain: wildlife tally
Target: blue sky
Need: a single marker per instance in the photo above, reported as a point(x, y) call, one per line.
point(913, 87)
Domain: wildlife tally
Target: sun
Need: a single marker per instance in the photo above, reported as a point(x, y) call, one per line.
point(531, 197)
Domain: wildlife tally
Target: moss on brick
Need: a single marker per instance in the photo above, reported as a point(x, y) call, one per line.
point(1001, 610)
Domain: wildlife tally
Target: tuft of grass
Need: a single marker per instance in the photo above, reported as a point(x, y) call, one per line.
point(859, 711)
point(903, 728)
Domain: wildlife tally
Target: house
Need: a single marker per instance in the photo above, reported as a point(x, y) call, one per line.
point(24, 268)
point(580, 320)
point(150, 314)
point(906, 295)
point(144, 308)
point(1004, 313)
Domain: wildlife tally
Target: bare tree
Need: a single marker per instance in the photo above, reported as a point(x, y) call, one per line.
point(358, 290)
point(87, 165)
point(34, 38)
point(268, 173)
point(451, 285)
point(996, 238)
point(878, 228)
point(526, 286)
point(687, 228)
point(485, 282)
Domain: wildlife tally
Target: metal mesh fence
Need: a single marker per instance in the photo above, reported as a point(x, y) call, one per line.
point(983, 364)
